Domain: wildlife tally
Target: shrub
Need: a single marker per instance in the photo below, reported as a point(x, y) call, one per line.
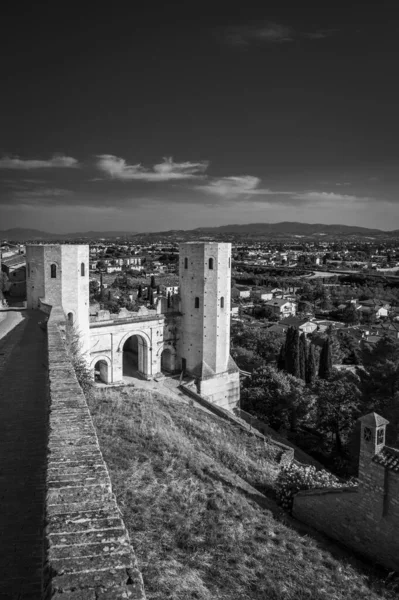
point(293, 478)
point(82, 371)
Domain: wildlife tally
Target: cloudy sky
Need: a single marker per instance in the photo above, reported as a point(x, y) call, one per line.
point(188, 114)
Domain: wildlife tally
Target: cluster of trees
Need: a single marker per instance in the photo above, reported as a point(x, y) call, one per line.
point(298, 358)
point(252, 347)
point(120, 293)
point(318, 404)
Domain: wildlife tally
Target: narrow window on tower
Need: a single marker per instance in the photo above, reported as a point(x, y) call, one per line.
point(196, 303)
point(210, 263)
point(222, 302)
point(186, 263)
point(53, 271)
point(82, 269)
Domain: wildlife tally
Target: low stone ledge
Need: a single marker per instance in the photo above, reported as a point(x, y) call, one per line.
point(88, 551)
point(330, 490)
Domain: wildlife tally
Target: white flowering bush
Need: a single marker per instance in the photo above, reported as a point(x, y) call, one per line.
point(293, 478)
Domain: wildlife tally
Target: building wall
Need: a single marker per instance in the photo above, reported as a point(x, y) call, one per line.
point(205, 334)
point(223, 389)
point(35, 275)
point(353, 517)
point(75, 288)
point(364, 518)
point(67, 289)
point(107, 340)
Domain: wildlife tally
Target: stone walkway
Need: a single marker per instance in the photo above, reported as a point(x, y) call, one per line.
point(23, 420)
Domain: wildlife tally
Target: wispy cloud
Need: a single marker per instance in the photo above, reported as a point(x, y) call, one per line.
point(320, 34)
point(235, 186)
point(43, 193)
point(55, 162)
point(328, 197)
point(167, 170)
point(270, 33)
point(267, 33)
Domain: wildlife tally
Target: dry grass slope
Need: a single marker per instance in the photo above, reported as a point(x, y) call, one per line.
point(200, 532)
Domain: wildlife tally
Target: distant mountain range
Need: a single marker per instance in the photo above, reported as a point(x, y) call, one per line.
point(252, 230)
point(20, 234)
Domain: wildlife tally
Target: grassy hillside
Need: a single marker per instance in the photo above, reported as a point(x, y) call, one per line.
point(183, 482)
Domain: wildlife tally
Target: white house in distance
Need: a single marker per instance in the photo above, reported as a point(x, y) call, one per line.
point(263, 294)
point(304, 325)
point(281, 307)
point(173, 290)
point(240, 291)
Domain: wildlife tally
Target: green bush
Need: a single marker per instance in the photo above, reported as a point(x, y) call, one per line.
point(74, 350)
point(293, 478)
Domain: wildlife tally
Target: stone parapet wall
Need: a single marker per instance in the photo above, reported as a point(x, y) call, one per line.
point(351, 516)
point(124, 314)
point(88, 552)
point(44, 306)
point(285, 453)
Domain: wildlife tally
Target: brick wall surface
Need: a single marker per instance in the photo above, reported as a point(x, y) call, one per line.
point(88, 551)
point(353, 516)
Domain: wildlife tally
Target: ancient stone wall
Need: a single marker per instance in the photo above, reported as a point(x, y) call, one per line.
point(365, 518)
point(88, 552)
point(353, 516)
point(285, 453)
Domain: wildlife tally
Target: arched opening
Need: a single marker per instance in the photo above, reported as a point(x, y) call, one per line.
point(135, 357)
point(186, 263)
point(70, 318)
point(53, 271)
point(101, 373)
point(210, 263)
point(168, 361)
point(222, 302)
point(82, 269)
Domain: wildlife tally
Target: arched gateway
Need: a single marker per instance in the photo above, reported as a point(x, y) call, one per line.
point(135, 357)
point(130, 343)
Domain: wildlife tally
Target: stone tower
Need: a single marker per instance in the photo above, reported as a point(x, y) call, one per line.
point(204, 340)
point(58, 275)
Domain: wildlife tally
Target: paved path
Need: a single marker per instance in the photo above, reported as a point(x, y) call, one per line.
point(23, 408)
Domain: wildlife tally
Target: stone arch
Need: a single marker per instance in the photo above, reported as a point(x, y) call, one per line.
point(143, 334)
point(71, 317)
point(136, 350)
point(105, 368)
point(167, 358)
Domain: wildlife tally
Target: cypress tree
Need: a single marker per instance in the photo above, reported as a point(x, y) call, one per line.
point(302, 356)
point(287, 347)
point(168, 299)
point(292, 352)
point(140, 291)
point(151, 296)
point(153, 284)
point(281, 358)
point(310, 366)
point(325, 364)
